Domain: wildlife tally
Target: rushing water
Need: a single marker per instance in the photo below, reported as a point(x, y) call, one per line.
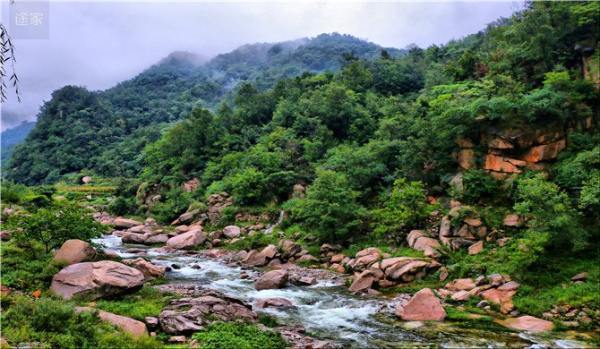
point(328, 311)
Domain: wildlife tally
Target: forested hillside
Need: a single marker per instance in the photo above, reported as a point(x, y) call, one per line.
point(501, 119)
point(131, 114)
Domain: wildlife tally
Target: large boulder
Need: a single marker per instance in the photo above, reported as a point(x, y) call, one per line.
point(276, 302)
point(134, 238)
point(363, 281)
point(423, 306)
point(5, 235)
point(259, 259)
point(232, 231)
point(427, 245)
point(157, 239)
point(125, 223)
point(96, 280)
point(74, 251)
point(272, 279)
point(187, 240)
point(500, 297)
point(191, 185)
point(406, 271)
point(188, 315)
point(149, 270)
point(289, 248)
point(527, 323)
point(465, 284)
point(128, 325)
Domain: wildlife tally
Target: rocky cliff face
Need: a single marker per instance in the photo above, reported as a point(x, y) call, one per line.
point(509, 151)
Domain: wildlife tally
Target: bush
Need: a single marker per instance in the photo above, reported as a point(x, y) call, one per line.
point(122, 206)
point(256, 241)
point(549, 211)
point(404, 208)
point(54, 225)
point(247, 186)
point(329, 209)
point(56, 325)
point(221, 335)
point(478, 186)
point(26, 265)
point(12, 193)
point(176, 202)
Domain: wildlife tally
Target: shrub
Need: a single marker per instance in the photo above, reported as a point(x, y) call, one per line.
point(56, 325)
point(11, 192)
point(121, 206)
point(26, 265)
point(549, 211)
point(478, 186)
point(176, 202)
point(404, 208)
point(329, 209)
point(253, 242)
point(220, 335)
point(54, 225)
point(247, 186)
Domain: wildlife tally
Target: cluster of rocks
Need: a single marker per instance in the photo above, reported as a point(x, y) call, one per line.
point(150, 233)
point(572, 316)
point(372, 268)
point(496, 288)
point(460, 228)
point(188, 315)
point(271, 255)
point(216, 204)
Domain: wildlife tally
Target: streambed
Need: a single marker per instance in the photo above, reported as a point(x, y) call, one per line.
point(328, 311)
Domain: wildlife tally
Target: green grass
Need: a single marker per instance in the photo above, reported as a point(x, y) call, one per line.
point(256, 241)
point(470, 320)
point(431, 281)
point(146, 302)
point(54, 324)
point(222, 335)
point(394, 251)
point(549, 282)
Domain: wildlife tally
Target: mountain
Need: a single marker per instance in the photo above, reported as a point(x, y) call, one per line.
point(13, 136)
point(78, 129)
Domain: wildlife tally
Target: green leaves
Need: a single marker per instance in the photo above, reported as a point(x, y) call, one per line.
point(403, 209)
point(330, 208)
point(55, 224)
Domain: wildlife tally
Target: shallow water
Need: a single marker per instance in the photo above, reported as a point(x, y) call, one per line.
point(329, 311)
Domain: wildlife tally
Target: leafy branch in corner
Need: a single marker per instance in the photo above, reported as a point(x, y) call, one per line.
point(7, 53)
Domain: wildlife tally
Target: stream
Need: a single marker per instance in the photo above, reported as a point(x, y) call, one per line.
point(329, 311)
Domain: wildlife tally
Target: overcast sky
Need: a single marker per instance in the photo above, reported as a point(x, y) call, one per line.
point(97, 44)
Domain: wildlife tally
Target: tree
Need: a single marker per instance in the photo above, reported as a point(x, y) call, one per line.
point(403, 209)
point(329, 209)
